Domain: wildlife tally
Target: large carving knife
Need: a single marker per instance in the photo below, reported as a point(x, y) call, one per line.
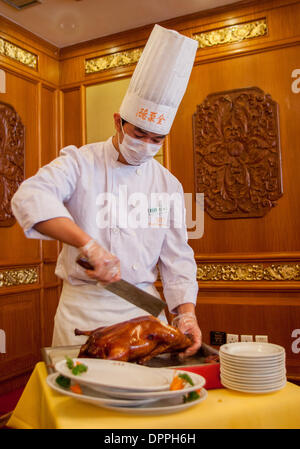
point(130, 292)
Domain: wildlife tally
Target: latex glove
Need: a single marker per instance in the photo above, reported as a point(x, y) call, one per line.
point(187, 323)
point(106, 265)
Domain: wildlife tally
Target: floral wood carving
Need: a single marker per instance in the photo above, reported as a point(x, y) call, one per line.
point(11, 160)
point(237, 153)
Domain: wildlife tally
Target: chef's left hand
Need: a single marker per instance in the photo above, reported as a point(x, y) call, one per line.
point(187, 323)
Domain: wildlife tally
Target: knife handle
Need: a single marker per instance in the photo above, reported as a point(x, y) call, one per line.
point(84, 263)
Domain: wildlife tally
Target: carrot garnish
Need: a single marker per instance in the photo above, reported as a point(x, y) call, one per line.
point(76, 389)
point(177, 383)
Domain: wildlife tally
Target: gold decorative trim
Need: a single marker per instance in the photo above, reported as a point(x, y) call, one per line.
point(248, 272)
point(20, 276)
point(18, 54)
point(232, 34)
point(160, 156)
point(107, 62)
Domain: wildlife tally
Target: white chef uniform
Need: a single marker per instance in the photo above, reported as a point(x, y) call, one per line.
point(71, 185)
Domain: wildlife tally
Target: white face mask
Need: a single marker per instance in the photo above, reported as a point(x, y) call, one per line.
point(136, 151)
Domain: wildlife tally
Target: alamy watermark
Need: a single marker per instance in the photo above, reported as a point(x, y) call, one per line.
point(296, 83)
point(296, 332)
point(296, 343)
point(2, 341)
point(157, 210)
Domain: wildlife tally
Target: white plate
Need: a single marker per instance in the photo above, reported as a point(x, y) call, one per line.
point(252, 387)
point(252, 369)
point(252, 349)
point(105, 375)
point(139, 407)
point(260, 369)
point(252, 361)
point(254, 375)
point(252, 364)
point(256, 390)
point(242, 390)
point(92, 397)
point(248, 360)
point(162, 406)
point(250, 381)
point(253, 382)
point(198, 381)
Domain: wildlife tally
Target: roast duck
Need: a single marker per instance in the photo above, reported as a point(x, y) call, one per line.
point(136, 340)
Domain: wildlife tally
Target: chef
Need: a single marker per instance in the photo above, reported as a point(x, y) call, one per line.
point(66, 201)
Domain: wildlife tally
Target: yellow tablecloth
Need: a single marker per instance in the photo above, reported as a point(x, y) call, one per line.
point(42, 408)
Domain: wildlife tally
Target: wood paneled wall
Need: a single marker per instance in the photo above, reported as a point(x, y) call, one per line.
point(27, 309)
point(251, 307)
point(51, 104)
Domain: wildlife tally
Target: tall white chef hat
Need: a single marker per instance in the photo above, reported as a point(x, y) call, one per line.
point(159, 80)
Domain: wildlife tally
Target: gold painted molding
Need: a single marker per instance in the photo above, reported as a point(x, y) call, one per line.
point(232, 34)
point(18, 54)
point(19, 276)
point(225, 35)
point(248, 272)
point(107, 62)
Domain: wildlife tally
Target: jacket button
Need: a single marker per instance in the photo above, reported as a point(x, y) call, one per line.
point(138, 171)
point(134, 267)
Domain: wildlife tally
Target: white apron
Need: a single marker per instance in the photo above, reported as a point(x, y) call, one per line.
point(87, 307)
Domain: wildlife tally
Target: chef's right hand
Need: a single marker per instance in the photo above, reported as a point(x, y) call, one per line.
point(106, 265)
point(187, 323)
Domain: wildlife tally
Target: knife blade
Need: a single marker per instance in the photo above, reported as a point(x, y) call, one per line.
point(130, 292)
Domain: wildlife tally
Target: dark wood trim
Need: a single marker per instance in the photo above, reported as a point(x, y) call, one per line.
point(250, 286)
point(4, 419)
point(249, 257)
point(25, 73)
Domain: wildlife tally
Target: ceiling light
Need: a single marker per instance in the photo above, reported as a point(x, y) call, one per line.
point(21, 4)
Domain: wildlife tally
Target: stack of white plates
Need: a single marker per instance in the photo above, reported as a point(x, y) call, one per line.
point(253, 367)
point(127, 387)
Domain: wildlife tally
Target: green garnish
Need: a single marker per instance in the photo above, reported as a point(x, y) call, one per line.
point(192, 396)
point(80, 368)
point(187, 378)
point(76, 369)
point(70, 363)
point(63, 381)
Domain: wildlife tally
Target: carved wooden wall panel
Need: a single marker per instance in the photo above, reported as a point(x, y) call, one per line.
point(237, 153)
point(11, 160)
